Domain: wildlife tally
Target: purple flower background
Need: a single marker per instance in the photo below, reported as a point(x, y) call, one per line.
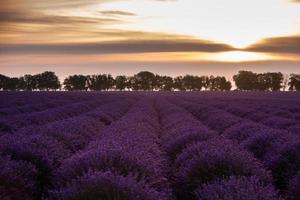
point(149, 146)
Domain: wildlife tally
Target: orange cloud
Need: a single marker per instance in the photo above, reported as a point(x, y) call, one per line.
point(124, 46)
point(283, 45)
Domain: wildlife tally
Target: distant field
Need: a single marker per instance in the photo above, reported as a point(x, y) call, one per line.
point(149, 145)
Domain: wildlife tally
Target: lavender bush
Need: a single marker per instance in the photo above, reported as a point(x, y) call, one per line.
point(106, 185)
point(294, 192)
point(149, 146)
point(237, 188)
point(203, 162)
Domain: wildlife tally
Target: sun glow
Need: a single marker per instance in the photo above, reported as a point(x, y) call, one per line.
point(235, 22)
point(240, 56)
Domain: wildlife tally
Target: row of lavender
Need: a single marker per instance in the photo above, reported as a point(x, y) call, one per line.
point(272, 139)
point(206, 165)
point(53, 107)
point(146, 146)
point(17, 100)
point(33, 144)
point(161, 151)
point(125, 162)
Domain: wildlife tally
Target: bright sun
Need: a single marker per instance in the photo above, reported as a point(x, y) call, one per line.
point(240, 56)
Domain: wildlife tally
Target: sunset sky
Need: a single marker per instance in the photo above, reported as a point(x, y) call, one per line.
point(168, 37)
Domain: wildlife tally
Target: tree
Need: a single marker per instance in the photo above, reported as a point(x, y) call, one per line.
point(224, 84)
point(100, 82)
point(4, 82)
point(276, 80)
point(131, 83)
point(76, 82)
point(219, 83)
point(31, 82)
point(7, 83)
point(164, 83)
point(12, 84)
point(192, 82)
point(47, 81)
point(262, 83)
point(205, 82)
point(178, 83)
point(188, 82)
point(245, 80)
point(121, 82)
point(21, 83)
point(143, 81)
point(294, 82)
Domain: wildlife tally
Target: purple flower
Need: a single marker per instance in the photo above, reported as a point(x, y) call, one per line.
point(294, 188)
point(278, 122)
point(203, 162)
point(285, 163)
point(106, 185)
point(237, 188)
point(17, 179)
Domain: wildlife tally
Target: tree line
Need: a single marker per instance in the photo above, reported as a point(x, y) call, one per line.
point(148, 81)
point(44, 81)
point(270, 81)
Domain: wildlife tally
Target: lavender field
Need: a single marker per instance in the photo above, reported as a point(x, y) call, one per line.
point(149, 146)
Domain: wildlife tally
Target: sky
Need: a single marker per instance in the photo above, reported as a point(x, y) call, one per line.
point(168, 37)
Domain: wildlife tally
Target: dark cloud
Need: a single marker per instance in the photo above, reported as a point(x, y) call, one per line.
point(132, 46)
point(21, 17)
point(117, 13)
point(54, 4)
point(140, 34)
point(40, 18)
point(66, 3)
point(288, 45)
